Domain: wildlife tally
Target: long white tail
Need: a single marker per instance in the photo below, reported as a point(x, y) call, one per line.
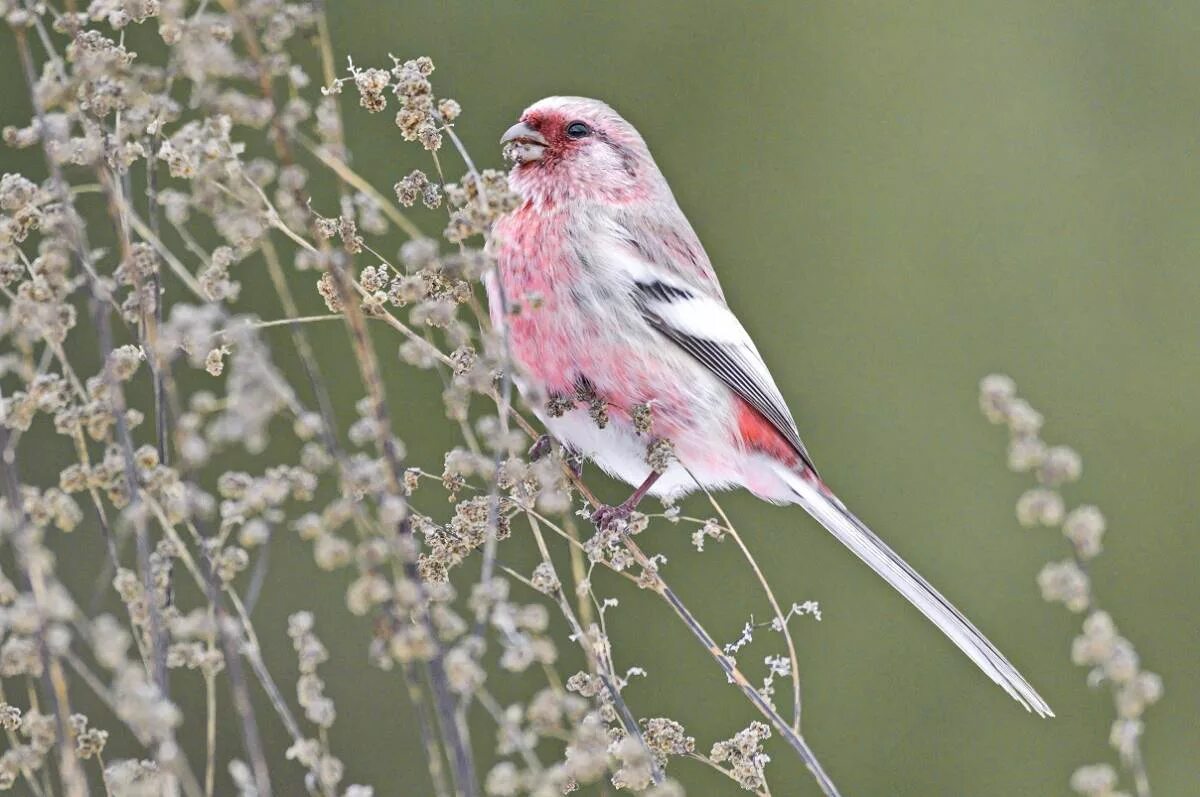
point(854, 534)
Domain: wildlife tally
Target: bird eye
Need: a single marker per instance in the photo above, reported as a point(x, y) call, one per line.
point(578, 130)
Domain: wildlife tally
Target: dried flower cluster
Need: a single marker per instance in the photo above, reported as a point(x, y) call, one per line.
point(1112, 659)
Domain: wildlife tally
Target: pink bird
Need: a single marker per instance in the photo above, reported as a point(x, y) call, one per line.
point(611, 304)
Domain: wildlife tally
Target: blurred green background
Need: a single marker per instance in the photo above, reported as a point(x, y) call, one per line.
point(899, 199)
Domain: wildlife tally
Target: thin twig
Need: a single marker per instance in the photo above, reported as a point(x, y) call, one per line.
point(780, 616)
point(251, 740)
point(598, 665)
point(793, 738)
point(454, 732)
point(103, 328)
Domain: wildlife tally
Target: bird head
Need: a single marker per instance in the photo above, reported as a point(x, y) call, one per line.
point(574, 148)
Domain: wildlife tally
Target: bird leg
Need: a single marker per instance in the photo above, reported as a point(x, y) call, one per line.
point(574, 461)
point(606, 516)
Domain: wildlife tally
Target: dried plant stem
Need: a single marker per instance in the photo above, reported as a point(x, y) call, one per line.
point(210, 728)
point(433, 754)
point(102, 323)
point(578, 569)
point(70, 772)
point(158, 361)
point(454, 733)
point(80, 668)
point(1135, 762)
point(599, 664)
point(780, 616)
point(308, 358)
point(276, 221)
point(1137, 769)
point(265, 80)
point(708, 762)
point(1113, 658)
point(274, 267)
point(251, 740)
point(453, 728)
point(177, 267)
point(103, 327)
point(181, 768)
point(493, 707)
point(282, 322)
point(248, 647)
point(234, 649)
point(344, 172)
point(793, 738)
point(13, 743)
point(253, 653)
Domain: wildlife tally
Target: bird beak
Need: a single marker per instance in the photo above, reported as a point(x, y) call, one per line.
point(523, 132)
point(522, 143)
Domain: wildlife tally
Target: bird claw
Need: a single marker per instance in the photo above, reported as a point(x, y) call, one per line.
point(606, 517)
point(540, 448)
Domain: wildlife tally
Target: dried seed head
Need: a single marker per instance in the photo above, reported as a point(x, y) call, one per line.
point(1084, 527)
point(1040, 506)
point(1066, 583)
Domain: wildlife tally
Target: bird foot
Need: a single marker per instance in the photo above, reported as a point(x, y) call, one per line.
point(605, 517)
point(540, 448)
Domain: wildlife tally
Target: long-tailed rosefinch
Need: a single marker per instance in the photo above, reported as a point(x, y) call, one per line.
point(621, 339)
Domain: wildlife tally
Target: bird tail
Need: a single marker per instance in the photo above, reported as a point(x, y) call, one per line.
point(831, 513)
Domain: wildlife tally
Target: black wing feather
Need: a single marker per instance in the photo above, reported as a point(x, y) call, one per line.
point(716, 358)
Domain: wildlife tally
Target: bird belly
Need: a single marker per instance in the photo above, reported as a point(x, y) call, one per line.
point(620, 451)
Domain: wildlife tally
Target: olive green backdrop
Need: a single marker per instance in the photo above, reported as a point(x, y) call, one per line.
point(899, 198)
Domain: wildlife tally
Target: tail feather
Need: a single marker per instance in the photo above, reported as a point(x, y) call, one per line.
point(854, 534)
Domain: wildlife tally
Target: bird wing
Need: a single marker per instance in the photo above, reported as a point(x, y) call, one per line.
point(692, 314)
point(664, 239)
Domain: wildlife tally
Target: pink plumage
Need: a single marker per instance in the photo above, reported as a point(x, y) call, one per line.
point(613, 301)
